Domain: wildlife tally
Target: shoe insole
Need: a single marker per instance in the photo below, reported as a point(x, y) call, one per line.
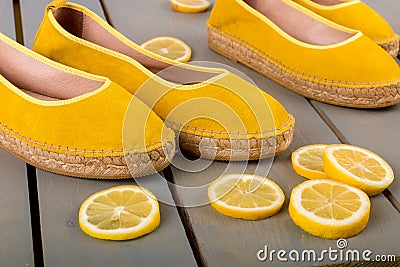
point(39, 96)
point(83, 26)
point(41, 80)
point(298, 24)
point(328, 2)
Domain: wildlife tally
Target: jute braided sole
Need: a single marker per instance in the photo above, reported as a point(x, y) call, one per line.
point(236, 149)
point(391, 45)
point(140, 164)
point(333, 92)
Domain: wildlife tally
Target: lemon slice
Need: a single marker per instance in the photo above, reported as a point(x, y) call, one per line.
point(120, 213)
point(329, 209)
point(358, 167)
point(245, 196)
point(307, 161)
point(169, 47)
point(190, 6)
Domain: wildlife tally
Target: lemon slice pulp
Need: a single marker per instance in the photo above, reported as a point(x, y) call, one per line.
point(120, 213)
point(307, 161)
point(246, 196)
point(190, 6)
point(358, 167)
point(329, 209)
point(169, 47)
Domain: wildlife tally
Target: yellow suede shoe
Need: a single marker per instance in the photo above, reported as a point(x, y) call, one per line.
point(305, 52)
point(357, 15)
point(218, 115)
point(70, 122)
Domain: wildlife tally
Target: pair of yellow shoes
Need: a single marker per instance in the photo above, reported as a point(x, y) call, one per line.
point(59, 118)
point(328, 50)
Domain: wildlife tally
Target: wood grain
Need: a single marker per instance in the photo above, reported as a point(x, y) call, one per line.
point(7, 19)
point(60, 197)
point(225, 241)
point(378, 129)
point(15, 222)
point(64, 243)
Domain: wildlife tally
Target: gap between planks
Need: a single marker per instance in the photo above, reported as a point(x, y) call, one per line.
point(32, 180)
point(389, 196)
point(168, 175)
point(32, 177)
point(194, 245)
point(34, 208)
point(182, 211)
point(19, 36)
point(106, 13)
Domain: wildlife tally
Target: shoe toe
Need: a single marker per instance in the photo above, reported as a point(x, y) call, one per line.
point(365, 19)
point(233, 120)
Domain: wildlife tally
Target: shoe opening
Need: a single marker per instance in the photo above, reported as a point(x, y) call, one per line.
point(40, 80)
point(85, 27)
point(330, 2)
point(297, 24)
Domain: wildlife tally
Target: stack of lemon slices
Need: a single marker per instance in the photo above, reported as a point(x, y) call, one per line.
point(352, 165)
point(334, 203)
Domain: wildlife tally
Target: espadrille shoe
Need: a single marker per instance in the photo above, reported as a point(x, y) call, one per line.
point(217, 114)
point(357, 15)
point(305, 52)
point(70, 122)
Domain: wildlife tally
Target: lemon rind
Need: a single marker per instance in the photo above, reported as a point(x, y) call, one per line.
point(255, 213)
point(389, 171)
point(147, 225)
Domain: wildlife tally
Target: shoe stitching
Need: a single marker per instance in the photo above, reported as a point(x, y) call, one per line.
point(389, 41)
point(75, 152)
point(283, 128)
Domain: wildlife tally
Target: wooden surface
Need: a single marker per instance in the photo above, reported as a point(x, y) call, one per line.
point(225, 241)
point(64, 244)
point(379, 129)
point(60, 197)
point(195, 235)
point(7, 18)
point(15, 222)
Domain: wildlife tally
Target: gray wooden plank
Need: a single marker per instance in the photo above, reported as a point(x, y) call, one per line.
point(7, 18)
point(377, 130)
point(15, 223)
point(64, 243)
point(231, 242)
point(60, 197)
point(159, 19)
point(225, 241)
